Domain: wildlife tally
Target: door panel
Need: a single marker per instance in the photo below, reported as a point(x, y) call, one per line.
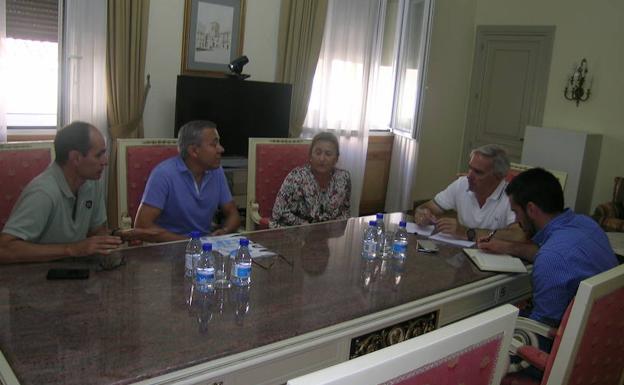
point(508, 88)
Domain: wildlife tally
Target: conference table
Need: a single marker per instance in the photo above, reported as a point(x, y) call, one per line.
point(312, 304)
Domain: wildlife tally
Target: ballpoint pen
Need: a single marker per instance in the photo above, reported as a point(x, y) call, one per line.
point(490, 236)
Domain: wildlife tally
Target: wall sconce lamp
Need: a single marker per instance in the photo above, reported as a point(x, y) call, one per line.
point(574, 90)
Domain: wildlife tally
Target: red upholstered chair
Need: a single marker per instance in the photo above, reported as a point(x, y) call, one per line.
point(269, 161)
point(470, 351)
point(135, 160)
point(588, 346)
point(19, 164)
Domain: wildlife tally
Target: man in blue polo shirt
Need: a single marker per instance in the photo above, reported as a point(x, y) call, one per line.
point(183, 193)
point(572, 247)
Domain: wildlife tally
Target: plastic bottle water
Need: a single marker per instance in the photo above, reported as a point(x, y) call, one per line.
point(204, 270)
point(381, 232)
point(241, 268)
point(193, 250)
point(380, 223)
point(369, 241)
point(399, 246)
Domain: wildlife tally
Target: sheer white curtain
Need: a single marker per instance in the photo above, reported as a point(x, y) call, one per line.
point(402, 170)
point(84, 55)
point(3, 128)
point(344, 79)
point(84, 66)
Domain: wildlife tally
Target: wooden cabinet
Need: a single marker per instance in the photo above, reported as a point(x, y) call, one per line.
point(376, 174)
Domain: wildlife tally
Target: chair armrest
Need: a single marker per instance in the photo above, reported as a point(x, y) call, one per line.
point(530, 325)
point(534, 356)
point(256, 218)
point(609, 215)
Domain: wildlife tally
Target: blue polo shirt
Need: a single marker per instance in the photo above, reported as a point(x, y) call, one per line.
point(572, 247)
point(185, 205)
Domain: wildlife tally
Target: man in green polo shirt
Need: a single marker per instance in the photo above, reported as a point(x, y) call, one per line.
point(62, 211)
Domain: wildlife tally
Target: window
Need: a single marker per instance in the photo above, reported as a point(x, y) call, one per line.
point(370, 71)
point(31, 57)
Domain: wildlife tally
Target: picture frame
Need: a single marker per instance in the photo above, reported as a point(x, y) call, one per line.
point(213, 36)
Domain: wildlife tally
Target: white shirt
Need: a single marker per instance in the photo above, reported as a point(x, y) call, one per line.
point(495, 214)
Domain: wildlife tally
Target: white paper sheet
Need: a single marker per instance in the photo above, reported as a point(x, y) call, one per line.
point(451, 240)
point(617, 242)
point(413, 228)
point(225, 244)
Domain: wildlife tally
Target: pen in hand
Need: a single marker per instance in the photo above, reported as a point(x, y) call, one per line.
point(489, 236)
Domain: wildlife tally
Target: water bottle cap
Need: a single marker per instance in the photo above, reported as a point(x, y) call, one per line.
point(194, 234)
point(372, 223)
point(380, 215)
point(207, 246)
point(402, 224)
point(244, 242)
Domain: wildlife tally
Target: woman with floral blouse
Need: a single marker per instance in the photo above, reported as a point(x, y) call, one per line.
point(315, 192)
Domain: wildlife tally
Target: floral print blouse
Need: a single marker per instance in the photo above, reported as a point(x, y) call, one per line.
point(300, 200)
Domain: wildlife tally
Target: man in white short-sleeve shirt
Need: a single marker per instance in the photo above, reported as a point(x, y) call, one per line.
point(478, 198)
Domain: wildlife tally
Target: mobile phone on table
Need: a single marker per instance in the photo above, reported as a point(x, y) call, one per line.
point(427, 246)
point(56, 273)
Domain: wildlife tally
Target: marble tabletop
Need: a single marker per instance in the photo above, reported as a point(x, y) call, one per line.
point(142, 318)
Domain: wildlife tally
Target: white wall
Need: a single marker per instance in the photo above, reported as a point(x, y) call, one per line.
point(446, 95)
point(593, 30)
point(164, 48)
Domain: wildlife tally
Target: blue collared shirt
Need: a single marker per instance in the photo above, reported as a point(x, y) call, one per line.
point(572, 247)
point(185, 205)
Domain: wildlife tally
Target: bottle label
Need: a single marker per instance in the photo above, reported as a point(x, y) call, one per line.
point(204, 276)
point(242, 270)
point(399, 247)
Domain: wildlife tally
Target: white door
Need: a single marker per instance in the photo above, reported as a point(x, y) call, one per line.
point(508, 87)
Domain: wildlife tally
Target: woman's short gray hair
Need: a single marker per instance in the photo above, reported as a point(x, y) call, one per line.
point(191, 134)
point(497, 154)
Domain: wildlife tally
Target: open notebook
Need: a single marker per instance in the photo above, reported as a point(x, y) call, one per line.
point(496, 262)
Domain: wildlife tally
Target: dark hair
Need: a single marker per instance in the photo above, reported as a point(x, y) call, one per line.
point(190, 133)
point(325, 137)
point(538, 186)
point(74, 136)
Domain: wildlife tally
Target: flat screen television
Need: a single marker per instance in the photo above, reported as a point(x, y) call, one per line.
point(240, 108)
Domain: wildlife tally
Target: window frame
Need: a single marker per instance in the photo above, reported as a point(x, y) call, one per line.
point(399, 65)
point(20, 133)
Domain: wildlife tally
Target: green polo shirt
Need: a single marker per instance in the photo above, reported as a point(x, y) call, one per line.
point(48, 212)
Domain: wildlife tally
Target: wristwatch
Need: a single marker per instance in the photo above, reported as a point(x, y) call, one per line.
point(471, 234)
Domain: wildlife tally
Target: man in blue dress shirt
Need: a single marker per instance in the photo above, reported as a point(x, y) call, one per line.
point(572, 247)
point(183, 193)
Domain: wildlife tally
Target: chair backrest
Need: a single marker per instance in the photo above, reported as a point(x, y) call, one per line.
point(591, 349)
point(20, 162)
point(517, 168)
point(135, 160)
point(470, 351)
point(269, 161)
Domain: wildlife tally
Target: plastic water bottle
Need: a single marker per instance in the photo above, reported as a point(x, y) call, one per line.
point(241, 268)
point(204, 270)
point(369, 241)
point(193, 250)
point(399, 246)
point(381, 232)
point(380, 223)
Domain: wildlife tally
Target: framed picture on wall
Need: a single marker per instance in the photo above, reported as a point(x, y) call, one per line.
point(213, 35)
